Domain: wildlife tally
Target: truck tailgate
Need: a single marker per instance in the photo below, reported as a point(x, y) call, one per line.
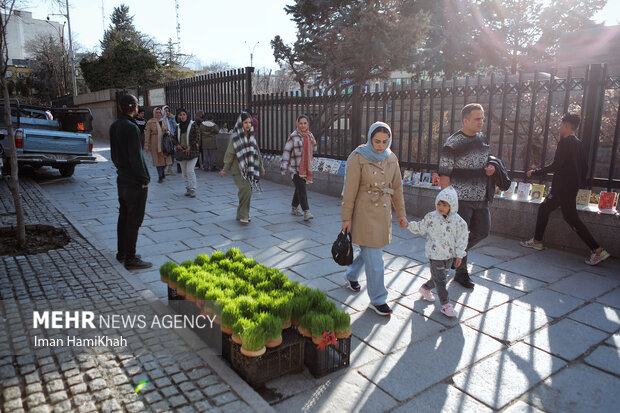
point(48, 141)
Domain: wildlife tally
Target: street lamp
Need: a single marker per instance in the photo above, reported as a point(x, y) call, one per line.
point(71, 55)
point(252, 52)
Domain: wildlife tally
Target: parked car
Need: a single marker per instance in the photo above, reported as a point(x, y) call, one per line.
point(44, 136)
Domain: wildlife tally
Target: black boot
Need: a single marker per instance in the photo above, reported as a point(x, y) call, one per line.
point(464, 280)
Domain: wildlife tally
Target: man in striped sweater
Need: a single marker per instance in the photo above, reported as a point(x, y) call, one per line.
point(464, 164)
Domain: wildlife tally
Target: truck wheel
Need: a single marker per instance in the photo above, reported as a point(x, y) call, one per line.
point(67, 170)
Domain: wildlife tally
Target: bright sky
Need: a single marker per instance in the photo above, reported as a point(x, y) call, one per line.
point(213, 30)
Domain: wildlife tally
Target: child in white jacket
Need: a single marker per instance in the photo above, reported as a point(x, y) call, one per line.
point(446, 238)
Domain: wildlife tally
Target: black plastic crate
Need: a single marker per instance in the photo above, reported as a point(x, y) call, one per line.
point(287, 358)
point(226, 346)
point(174, 298)
point(329, 359)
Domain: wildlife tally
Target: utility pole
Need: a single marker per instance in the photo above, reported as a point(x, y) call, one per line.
point(71, 55)
point(252, 52)
point(176, 5)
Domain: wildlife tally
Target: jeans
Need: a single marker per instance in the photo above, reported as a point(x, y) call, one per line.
point(439, 272)
point(372, 259)
point(478, 218)
point(208, 159)
point(301, 195)
point(189, 173)
point(160, 171)
point(132, 203)
point(569, 212)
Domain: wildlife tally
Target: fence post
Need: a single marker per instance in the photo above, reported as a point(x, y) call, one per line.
point(248, 87)
point(356, 118)
point(592, 113)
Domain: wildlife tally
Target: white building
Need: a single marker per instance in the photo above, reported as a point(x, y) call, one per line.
point(22, 29)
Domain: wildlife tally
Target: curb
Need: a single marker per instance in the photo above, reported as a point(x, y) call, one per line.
point(228, 376)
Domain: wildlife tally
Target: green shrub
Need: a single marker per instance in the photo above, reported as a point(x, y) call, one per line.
point(187, 263)
point(307, 320)
point(256, 276)
point(201, 259)
point(289, 286)
point(239, 270)
point(217, 256)
point(264, 286)
point(271, 324)
point(166, 269)
point(176, 273)
point(230, 313)
point(277, 280)
point(342, 321)
point(234, 254)
point(282, 307)
point(316, 297)
point(202, 289)
point(183, 279)
point(191, 285)
point(253, 337)
point(240, 325)
point(300, 305)
point(321, 323)
point(249, 262)
point(214, 294)
point(247, 306)
point(241, 287)
point(326, 307)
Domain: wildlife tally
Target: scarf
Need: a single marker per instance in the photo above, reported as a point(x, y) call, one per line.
point(246, 151)
point(183, 125)
point(305, 166)
point(368, 152)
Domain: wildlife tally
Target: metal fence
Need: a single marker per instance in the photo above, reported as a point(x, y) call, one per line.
point(522, 114)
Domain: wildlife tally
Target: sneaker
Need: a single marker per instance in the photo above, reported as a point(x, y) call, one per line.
point(381, 309)
point(464, 280)
point(427, 294)
point(137, 264)
point(244, 220)
point(448, 310)
point(121, 258)
point(160, 180)
point(192, 194)
point(307, 215)
point(188, 192)
point(352, 285)
point(597, 258)
point(530, 243)
point(295, 211)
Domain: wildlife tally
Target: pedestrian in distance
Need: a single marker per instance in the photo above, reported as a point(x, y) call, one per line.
point(464, 164)
point(187, 144)
point(132, 180)
point(243, 160)
point(372, 184)
point(446, 239)
point(208, 133)
point(297, 161)
point(141, 122)
point(156, 129)
point(172, 128)
point(569, 168)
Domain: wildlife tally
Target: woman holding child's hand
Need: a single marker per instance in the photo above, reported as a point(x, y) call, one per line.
point(373, 183)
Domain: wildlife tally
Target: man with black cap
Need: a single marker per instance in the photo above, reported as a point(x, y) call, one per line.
point(133, 180)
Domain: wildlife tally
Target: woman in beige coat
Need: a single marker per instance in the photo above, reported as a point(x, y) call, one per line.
point(373, 183)
point(154, 133)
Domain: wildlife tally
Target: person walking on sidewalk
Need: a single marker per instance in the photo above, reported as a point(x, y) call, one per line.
point(569, 167)
point(446, 240)
point(372, 184)
point(187, 143)
point(243, 160)
point(156, 129)
point(132, 180)
point(297, 161)
point(464, 164)
point(208, 132)
point(172, 127)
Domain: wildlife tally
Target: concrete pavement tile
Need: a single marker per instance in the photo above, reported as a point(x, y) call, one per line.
point(154, 222)
point(358, 301)
point(535, 267)
point(433, 312)
point(145, 248)
point(404, 283)
point(564, 259)
point(159, 289)
point(398, 263)
point(226, 245)
point(317, 268)
point(508, 322)
point(521, 407)
point(443, 398)
point(167, 226)
point(389, 334)
point(321, 251)
point(422, 270)
point(275, 257)
point(599, 316)
point(208, 229)
point(508, 279)
point(610, 268)
point(149, 275)
point(507, 374)
point(405, 247)
point(287, 386)
point(205, 241)
point(567, 339)
point(504, 254)
point(179, 257)
point(265, 242)
point(362, 353)
point(614, 340)
point(173, 235)
point(296, 235)
point(605, 358)
point(417, 367)
point(177, 212)
point(553, 304)
point(321, 283)
point(346, 393)
point(338, 278)
point(585, 285)
point(298, 245)
point(483, 260)
point(483, 297)
point(611, 298)
point(246, 231)
point(577, 388)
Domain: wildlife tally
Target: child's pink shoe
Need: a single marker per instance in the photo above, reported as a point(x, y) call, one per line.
point(448, 310)
point(427, 294)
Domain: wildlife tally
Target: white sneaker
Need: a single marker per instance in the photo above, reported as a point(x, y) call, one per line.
point(427, 294)
point(244, 221)
point(448, 310)
point(295, 211)
point(307, 215)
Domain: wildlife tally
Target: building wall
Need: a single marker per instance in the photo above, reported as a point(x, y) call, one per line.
point(22, 28)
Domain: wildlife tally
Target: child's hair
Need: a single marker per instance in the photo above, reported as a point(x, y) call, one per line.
point(572, 119)
point(441, 201)
point(300, 117)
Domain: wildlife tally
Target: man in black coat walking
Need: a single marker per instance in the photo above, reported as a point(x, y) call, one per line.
point(569, 167)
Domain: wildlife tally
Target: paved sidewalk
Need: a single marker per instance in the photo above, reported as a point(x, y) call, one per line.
point(541, 330)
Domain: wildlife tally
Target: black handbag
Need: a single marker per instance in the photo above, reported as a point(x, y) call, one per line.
point(182, 156)
point(167, 145)
point(342, 249)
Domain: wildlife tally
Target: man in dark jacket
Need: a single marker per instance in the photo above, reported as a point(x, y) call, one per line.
point(133, 180)
point(569, 168)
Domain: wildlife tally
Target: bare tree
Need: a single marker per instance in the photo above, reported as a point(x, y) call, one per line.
point(7, 9)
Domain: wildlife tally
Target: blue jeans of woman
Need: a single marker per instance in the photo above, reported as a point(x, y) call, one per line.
point(372, 260)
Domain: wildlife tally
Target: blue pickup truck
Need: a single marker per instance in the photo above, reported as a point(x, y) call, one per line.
point(56, 137)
